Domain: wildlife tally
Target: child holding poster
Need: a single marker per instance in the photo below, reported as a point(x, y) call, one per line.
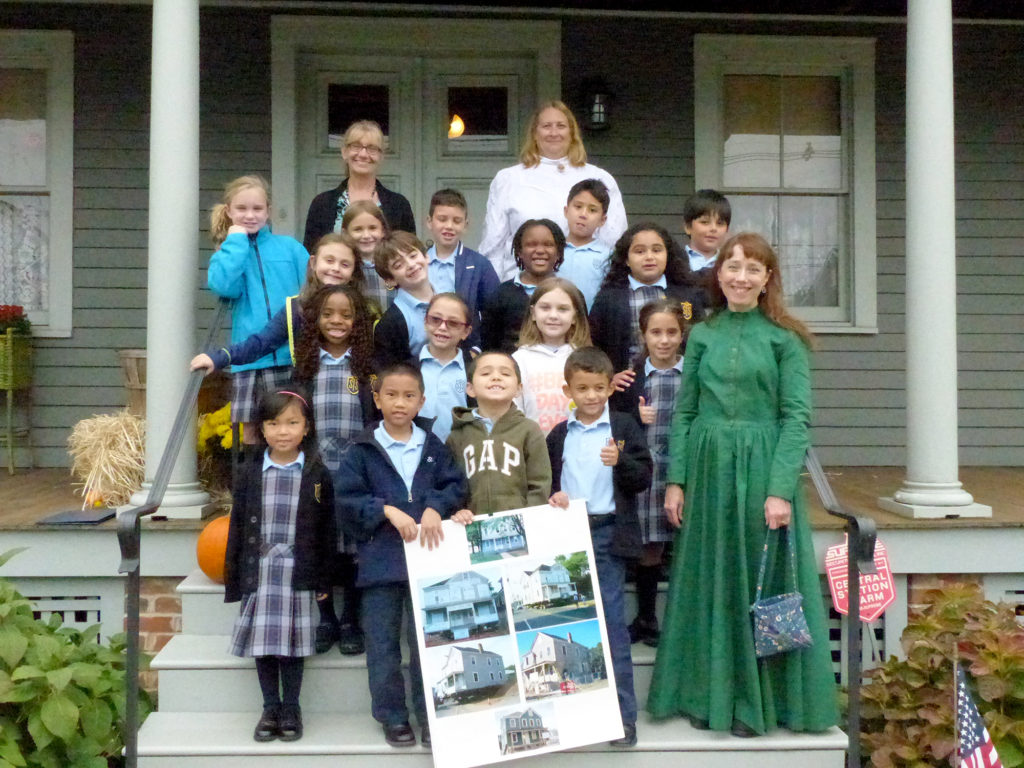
point(397, 482)
point(601, 456)
point(501, 451)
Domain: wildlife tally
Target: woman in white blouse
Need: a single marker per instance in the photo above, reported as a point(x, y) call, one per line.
point(551, 161)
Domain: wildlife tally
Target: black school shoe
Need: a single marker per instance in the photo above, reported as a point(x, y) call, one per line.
point(350, 640)
point(645, 630)
point(290, 726)
point(327, 634)
point(399, 735)
point(628, 736)
point(267, 728)
point(425, 737)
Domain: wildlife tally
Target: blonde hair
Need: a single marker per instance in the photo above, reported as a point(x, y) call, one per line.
point(219, 219)
point(530, 153)
point(362, 128)
point(579, 332)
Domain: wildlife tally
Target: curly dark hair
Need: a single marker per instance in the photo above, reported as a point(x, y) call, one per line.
point(307, 346)
point(556, 232)
point(677, 266)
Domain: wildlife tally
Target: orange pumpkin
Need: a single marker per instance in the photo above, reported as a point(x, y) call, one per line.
point(211, 548)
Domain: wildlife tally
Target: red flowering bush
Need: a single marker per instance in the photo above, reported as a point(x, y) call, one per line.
point(13, 316)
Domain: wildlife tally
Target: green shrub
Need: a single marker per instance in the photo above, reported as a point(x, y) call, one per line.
point(62, 694)
point(907, 708)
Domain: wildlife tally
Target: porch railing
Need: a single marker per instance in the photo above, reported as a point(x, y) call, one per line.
point(129, 532)
point(861, 534)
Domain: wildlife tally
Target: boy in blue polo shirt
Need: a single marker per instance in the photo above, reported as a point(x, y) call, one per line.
point(601, 456)
point(454, 268)
point(397, 481)
point(400, 334)
point(706, 217)
point(586, 259)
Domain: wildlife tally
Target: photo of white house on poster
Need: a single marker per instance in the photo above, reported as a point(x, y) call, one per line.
point(512, 638)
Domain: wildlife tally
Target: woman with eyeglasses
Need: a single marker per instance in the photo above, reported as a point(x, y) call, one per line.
point(362, 149)
point(551, 161)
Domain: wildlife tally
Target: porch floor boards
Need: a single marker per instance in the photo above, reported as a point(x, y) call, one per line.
point(30, 495)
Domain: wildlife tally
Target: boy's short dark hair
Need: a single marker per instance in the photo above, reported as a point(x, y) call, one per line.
point(707, 201)
point(596, 187)
point(471, 368)
point(393, 246)
point(588, 360)
point(448, 196)
point(400, 369)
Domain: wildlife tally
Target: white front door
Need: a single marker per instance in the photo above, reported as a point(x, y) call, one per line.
point(413, 76)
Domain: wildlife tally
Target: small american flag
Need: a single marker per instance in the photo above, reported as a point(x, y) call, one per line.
point(976, 749)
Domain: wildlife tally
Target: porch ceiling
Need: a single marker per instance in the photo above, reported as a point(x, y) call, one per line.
point(962, 9)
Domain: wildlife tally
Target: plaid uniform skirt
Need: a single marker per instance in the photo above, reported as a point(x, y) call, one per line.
point(248, 386)
point(661, 391)
point(339, 417)
point(276, 620)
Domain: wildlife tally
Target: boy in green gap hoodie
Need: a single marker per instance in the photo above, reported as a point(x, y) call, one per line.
point(502, 452)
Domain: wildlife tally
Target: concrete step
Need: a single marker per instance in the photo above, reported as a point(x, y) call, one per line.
point(224, 740)
point(204, 612)
point(197, 674)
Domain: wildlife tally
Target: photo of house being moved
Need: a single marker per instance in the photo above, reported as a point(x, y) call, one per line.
point(467, 605)
point(468, 678)
point(531, 728)
point(562, 660)
point(555, 591)
point(494, 538)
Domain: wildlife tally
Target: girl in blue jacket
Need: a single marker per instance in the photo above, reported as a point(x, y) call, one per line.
point(258, 270)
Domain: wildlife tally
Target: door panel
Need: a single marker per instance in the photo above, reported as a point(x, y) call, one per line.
point(496, 93)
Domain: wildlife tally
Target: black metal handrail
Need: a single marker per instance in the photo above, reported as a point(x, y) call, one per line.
point(861, 535)
point(129, 534)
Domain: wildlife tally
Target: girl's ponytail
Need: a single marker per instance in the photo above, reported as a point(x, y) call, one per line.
point(219, 223)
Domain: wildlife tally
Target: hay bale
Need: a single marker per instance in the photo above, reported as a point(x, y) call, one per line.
point(108, 454)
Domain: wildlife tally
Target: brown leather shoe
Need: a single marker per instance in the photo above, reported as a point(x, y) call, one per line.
point(400, 735)
point(267, 727)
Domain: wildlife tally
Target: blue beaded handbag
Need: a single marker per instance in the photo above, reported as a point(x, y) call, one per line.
point(779, 622)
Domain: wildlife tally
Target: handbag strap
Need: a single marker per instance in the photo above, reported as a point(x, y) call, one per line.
point(764, 559)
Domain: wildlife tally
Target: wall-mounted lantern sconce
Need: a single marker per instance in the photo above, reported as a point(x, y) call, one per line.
point(598, 101)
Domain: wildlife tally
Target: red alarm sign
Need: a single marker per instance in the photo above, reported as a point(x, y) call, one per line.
point(877, 591)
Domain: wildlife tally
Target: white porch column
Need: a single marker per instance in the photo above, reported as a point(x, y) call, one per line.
point(932, 487)
point(173, 245)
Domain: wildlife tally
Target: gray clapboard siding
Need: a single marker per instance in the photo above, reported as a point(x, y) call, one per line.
point(859, 380)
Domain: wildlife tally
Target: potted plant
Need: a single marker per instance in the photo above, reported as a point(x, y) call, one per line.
point(15, 348)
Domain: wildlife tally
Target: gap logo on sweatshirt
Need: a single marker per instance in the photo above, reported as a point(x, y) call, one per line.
point(510, 457)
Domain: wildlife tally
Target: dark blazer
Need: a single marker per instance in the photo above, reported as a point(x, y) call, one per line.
point(315, 536)
point(391, 340)
point(323, 212)
point(628, 401)
point(503, 318)
point(367, 480)
point(475, 282)
point(611, 320)
point(630, 475)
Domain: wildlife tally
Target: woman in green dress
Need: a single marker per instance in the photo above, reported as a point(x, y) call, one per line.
point(737, 445)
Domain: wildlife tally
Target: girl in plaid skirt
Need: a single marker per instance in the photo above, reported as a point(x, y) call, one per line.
point(648, 390)
point(333, 359)
point(279, 540)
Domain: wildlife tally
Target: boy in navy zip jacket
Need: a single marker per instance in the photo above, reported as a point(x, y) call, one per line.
point(454, 267)
point(396, 482)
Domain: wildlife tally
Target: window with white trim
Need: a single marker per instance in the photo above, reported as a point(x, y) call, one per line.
point(785, 128)
point(36, 175)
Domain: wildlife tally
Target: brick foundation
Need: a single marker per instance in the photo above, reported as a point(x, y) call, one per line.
point(159, 620)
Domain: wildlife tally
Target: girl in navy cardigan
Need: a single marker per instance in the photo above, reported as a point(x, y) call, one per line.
point(646, 264)
point(279, 538)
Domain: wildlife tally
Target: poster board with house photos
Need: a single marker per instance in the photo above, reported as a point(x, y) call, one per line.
point(512, 639)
